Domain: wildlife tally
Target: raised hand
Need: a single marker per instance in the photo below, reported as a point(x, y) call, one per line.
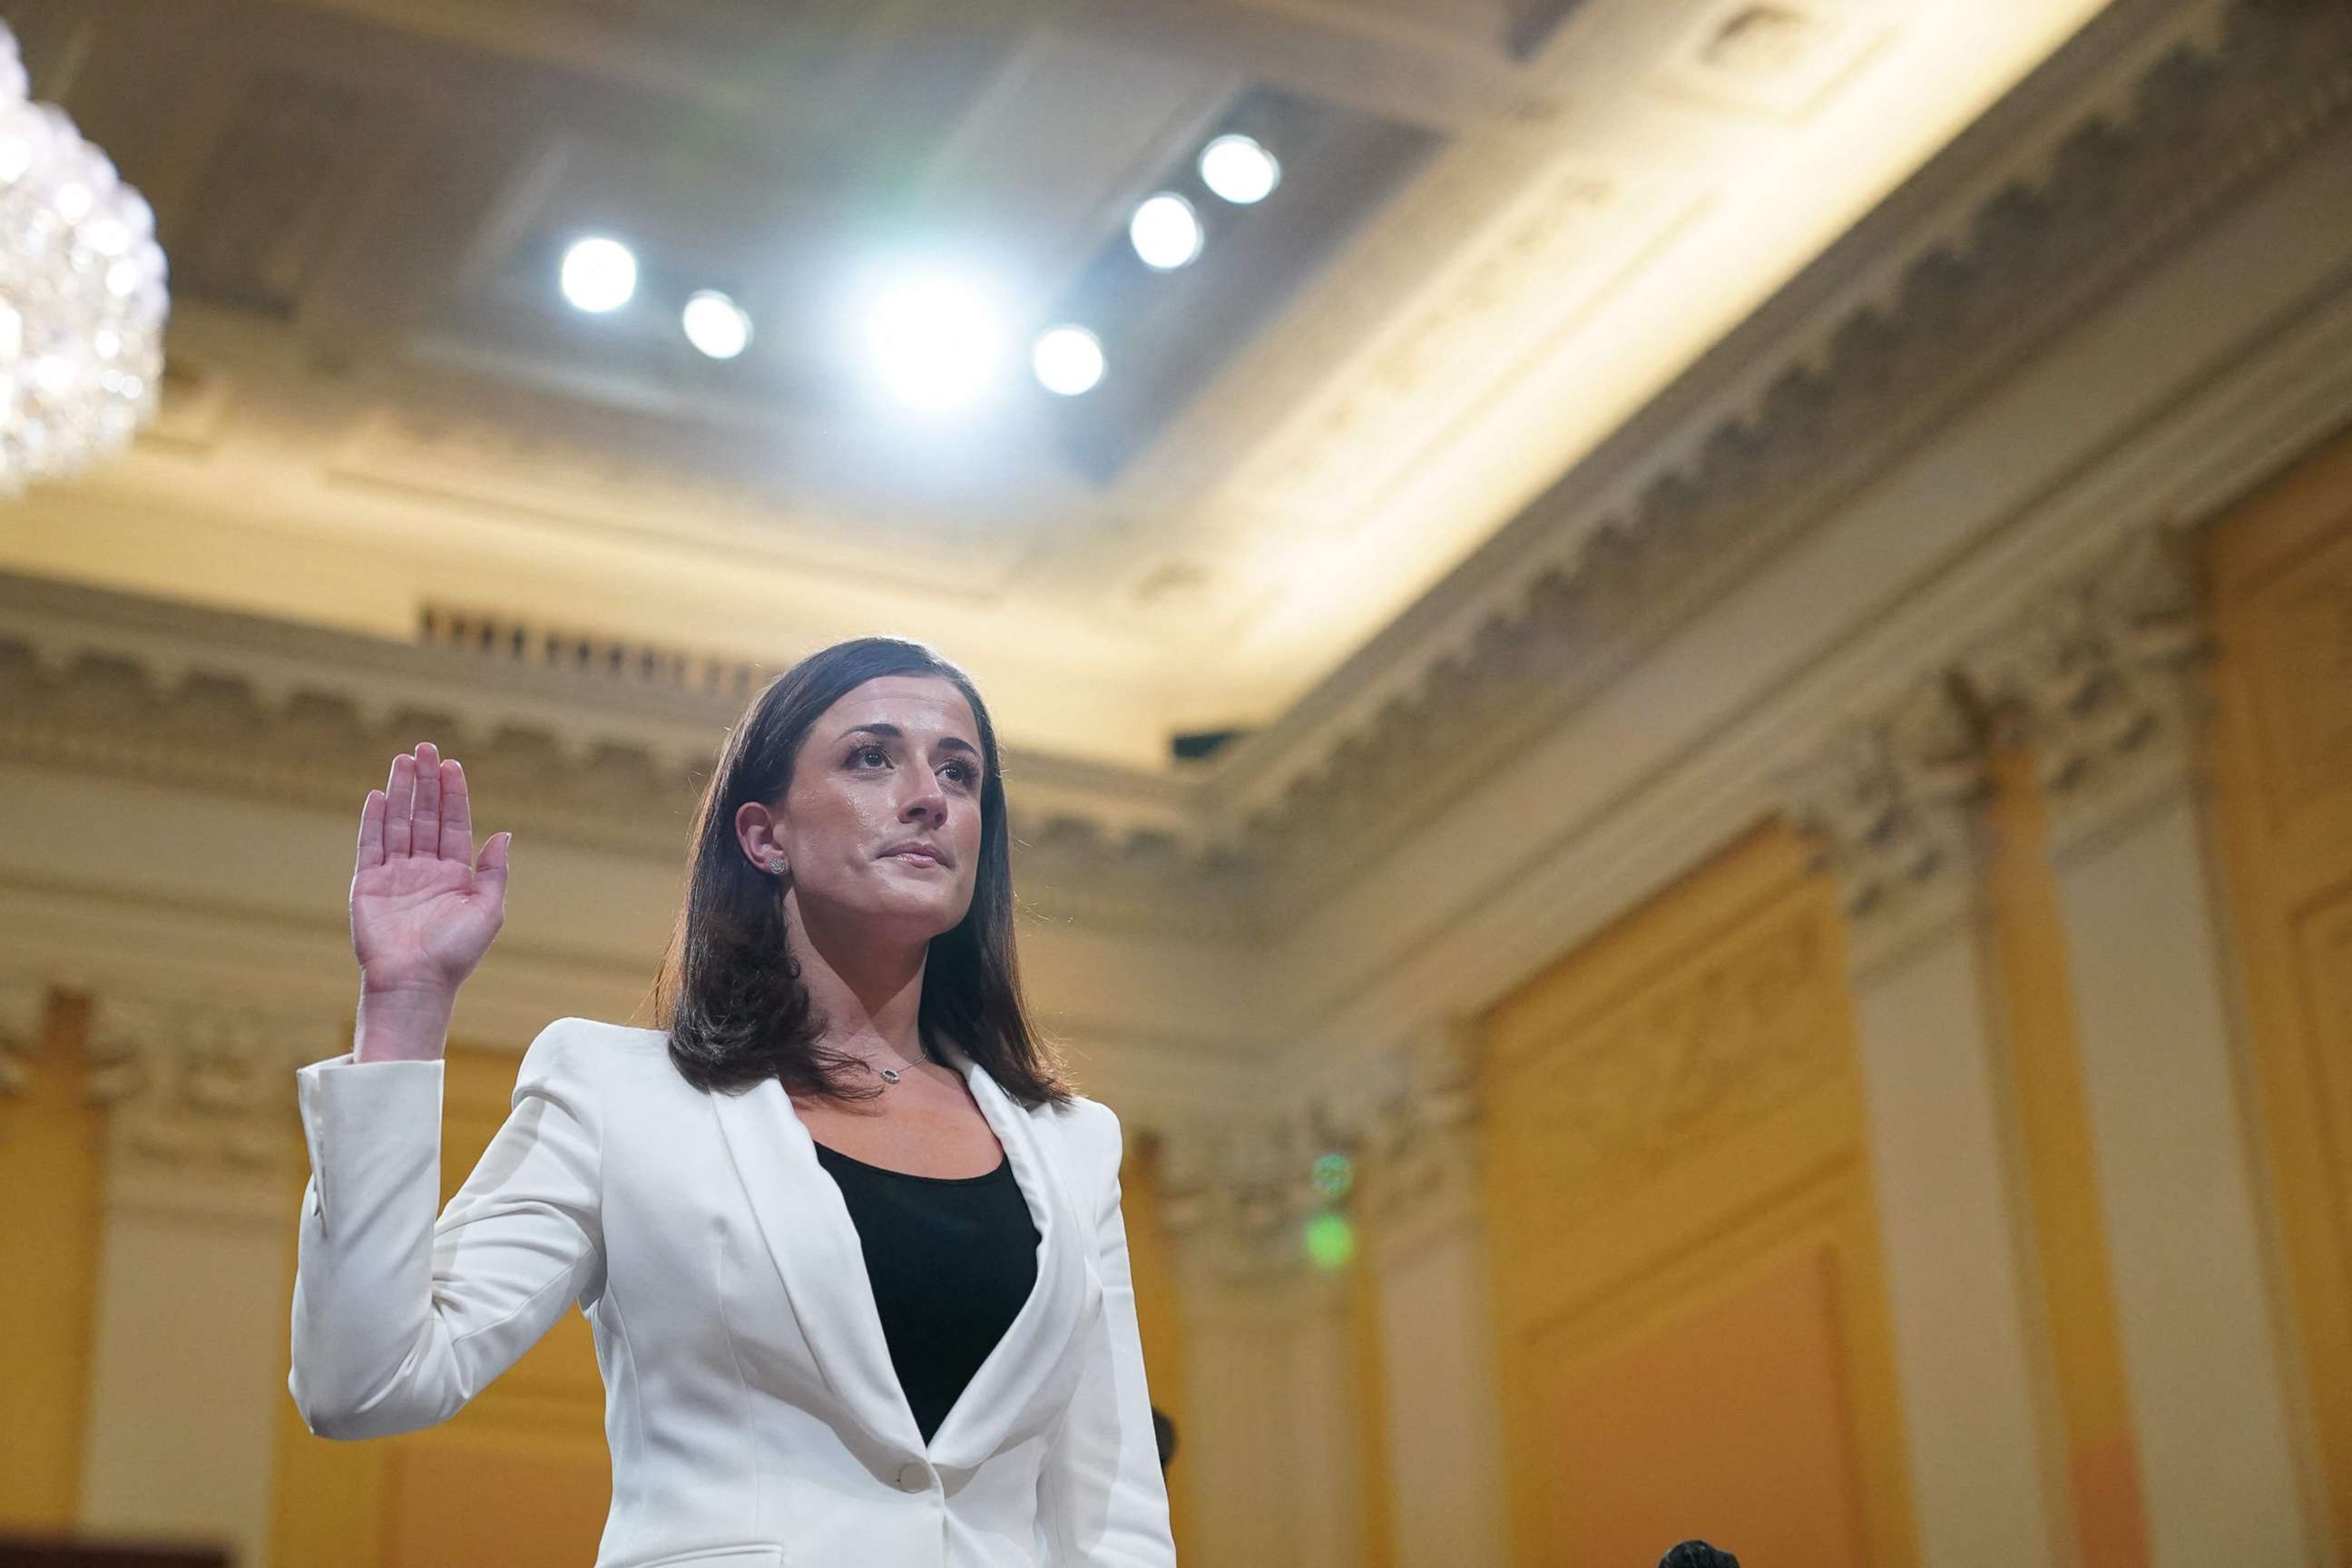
point(424, 908)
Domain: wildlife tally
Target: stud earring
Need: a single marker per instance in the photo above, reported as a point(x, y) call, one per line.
point(776, 867)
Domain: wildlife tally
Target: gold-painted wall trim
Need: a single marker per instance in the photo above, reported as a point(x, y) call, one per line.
point(52, 1229)
point(2279, 571)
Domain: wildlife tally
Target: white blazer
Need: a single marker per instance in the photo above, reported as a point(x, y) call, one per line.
point(753, 1416)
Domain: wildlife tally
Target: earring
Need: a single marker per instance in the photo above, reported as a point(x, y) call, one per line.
point(776, 867)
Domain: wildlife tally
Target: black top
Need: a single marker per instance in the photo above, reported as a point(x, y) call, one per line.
point(951, 1259)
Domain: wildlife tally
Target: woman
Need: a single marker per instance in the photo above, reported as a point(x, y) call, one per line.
point(853, 1252)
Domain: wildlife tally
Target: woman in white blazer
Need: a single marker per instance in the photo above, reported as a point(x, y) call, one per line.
point(852, 1252)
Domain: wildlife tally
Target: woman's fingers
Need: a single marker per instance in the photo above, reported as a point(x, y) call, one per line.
point(490, 870)
point(399, 805)
point(372, 830)
point(456, 814)
point(426, 832)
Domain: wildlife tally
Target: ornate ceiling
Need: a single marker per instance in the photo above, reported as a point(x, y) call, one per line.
point(1503, 226)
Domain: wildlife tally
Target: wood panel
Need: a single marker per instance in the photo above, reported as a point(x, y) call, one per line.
point(517, 1479)
point(2281, 573)
point(1690, 1304)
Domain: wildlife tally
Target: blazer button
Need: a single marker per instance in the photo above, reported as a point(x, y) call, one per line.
point(914, 1478)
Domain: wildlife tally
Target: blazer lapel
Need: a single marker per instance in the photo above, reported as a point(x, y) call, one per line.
point(1019, 1373)
point(814, 1244)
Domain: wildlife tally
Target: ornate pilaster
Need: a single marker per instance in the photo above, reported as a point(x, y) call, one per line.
point(1893, 807)
point(2101, 677)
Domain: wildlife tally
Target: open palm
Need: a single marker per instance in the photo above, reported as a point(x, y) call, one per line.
point(424, 908)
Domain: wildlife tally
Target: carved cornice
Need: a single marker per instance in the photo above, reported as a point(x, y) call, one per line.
point(597, 755)
point(1892, 806)
point(2201, 127)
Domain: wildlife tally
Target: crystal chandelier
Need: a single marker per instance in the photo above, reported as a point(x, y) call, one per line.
point(81, 293)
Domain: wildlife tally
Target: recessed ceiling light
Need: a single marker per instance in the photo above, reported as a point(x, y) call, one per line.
point(934, 339)
point(716, 324)
point(1239, 170)
point(599, 275)
point(1070, 360)
point(1166, 231)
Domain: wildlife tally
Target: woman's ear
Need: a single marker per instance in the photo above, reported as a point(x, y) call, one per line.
point(759, 833)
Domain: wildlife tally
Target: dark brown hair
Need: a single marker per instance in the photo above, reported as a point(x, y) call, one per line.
point(727, 990)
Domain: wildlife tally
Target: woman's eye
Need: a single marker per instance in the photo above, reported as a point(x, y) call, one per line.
point(865, 752)
point(966, 774)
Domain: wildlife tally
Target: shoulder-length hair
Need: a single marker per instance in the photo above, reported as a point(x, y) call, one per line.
point(727, 990)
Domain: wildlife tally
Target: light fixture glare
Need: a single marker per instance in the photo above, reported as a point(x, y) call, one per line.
point(1240, 170)
point(935, 340)
point(599, 275)
point(716, 324)
point(1165, 231)
point(1069, 360)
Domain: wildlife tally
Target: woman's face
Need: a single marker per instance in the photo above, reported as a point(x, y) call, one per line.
point(895, 763)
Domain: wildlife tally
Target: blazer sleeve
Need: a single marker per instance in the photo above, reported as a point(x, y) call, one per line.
point(400, 1318)
point(1101, 1495)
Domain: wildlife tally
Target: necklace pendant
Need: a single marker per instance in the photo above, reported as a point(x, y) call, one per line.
point(890, 1075)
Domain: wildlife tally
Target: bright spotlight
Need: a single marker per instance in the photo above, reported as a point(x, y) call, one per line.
point(599, 275)
point(1166, 231)
point(1239, 170)
point(935, 341)
point(716, 324)
point(1070, 360)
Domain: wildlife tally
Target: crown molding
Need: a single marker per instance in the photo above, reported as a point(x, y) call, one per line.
point(597, 755)
point(1777, 437)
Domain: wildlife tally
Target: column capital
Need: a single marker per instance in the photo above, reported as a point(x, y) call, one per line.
point(2101, 677)
point(1892, 804)
point(200, 1099)
point(23, 1005)
point(1419, 1175)
point(1395, 1155)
